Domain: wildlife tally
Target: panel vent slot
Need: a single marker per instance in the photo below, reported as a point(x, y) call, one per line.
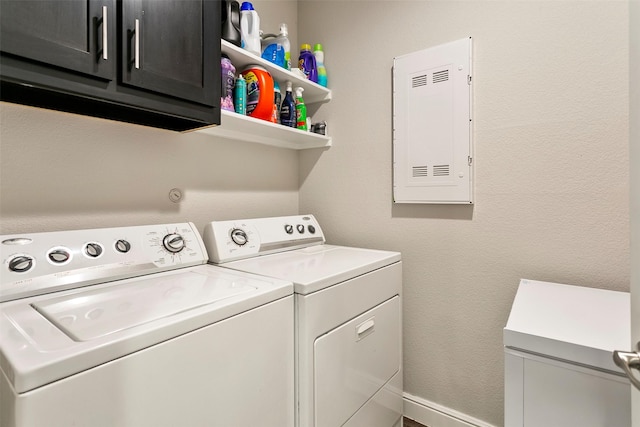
point(441, 76)
point(419, 81)
point(441, 170)
point(419, 171)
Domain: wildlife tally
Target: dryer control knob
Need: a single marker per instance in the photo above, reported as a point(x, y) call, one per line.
point(93, 250)
point(21, 264)
point(123, 246)
point(239, 236)
point(288, 228)
point(59, 256)
point(173, 242)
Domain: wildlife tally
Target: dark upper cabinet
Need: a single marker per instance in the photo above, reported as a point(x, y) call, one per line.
point(76, 35)
point(152, 62)
point(160, 37)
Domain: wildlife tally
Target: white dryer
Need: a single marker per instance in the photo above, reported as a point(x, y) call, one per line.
point(130, 327)
point(348, 318)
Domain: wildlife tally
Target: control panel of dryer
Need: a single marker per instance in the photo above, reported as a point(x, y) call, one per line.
point(245, 238)
point(36, 263)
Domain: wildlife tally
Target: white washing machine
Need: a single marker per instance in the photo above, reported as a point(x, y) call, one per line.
point(348, 318)
point(129, 327)
point(559, 369)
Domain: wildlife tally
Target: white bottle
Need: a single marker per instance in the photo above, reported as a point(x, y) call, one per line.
point(284, 39)
point(277, 49)
point(250, 28)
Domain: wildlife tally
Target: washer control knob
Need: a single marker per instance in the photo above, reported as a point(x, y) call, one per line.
point(239, 236)
point(123, 246)
point(93, 250)
point(311, 229)
point(21, 264)
point(59, 256)
point(173, 242)
point(288, 228)
point(300, 228)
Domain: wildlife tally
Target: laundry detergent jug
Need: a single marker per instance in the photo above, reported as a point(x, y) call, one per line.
point(260, 93)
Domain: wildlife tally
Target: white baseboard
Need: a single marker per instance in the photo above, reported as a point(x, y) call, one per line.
point(434, 415)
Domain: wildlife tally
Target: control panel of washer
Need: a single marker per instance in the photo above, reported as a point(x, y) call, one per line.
point(245, 238)
point(37, 263)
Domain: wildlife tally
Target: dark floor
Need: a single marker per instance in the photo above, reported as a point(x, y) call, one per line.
point(411, 423)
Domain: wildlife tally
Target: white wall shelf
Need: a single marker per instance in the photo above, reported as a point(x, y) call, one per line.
point(249, 129)
point(245, 128)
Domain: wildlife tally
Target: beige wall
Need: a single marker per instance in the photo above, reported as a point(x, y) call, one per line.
point(62, 171)
point(551, 156)
point(551, 114)
point(634, 142)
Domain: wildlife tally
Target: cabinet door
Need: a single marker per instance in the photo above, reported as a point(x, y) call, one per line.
point(170, 47)
point(77, 35)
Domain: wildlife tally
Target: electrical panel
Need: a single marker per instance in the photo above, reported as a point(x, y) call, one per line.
point(432, 127)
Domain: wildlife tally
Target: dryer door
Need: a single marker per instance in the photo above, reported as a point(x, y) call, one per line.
point(354, 361)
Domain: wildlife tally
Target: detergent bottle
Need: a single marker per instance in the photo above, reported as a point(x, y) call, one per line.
point(288, 108)
point(322, 71)
point(301, 110)
point(250, 28)
point(307, 63)
point(231, 22)
point(277, 49)
point(228, 74)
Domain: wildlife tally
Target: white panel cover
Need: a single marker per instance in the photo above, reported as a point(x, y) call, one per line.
point(432, 138)
point(557, 396)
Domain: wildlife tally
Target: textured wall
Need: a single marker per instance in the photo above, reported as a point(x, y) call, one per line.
point(62, 171)
point(551, 156)
point(634, 142)
point(551, 115)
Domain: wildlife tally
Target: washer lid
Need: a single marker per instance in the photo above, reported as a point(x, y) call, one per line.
point(317, 267)
point(46, 338)
point(576, 324)
point(92, 314)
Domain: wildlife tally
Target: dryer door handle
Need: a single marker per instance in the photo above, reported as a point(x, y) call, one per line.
point(365, 327)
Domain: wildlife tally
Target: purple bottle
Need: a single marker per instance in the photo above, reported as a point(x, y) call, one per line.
point(228, 79)
point(307, 63)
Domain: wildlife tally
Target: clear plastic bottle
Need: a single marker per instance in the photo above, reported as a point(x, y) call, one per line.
point(277, 49)
point(288, 108)
point(301, 110)
point(322, 71)
point(250, 28)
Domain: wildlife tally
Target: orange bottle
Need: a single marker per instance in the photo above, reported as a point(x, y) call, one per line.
point(260, 92)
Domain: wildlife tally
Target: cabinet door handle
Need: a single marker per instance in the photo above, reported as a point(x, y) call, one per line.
point(105, 33)
point(136, 45)
point(628, 361)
